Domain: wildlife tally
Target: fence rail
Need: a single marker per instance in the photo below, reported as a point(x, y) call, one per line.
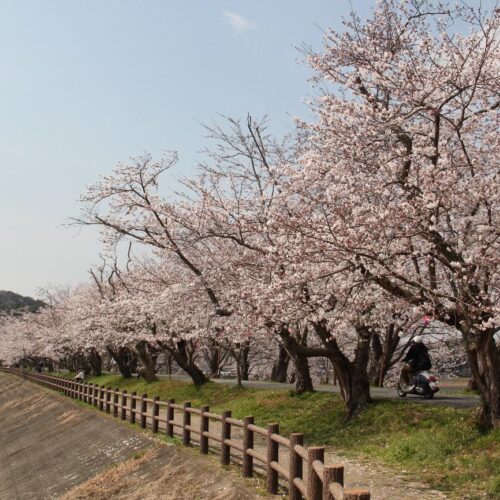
point(302, 468)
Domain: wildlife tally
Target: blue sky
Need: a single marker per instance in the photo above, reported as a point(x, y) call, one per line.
point(86, 84)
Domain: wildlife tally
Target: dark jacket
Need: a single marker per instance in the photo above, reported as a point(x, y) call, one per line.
point(418, 357)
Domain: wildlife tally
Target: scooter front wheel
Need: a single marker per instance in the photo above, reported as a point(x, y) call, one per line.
point(401, 393)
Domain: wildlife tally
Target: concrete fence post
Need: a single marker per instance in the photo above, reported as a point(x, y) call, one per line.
point(225, 450)
point(144, 409)
point(170, 417)
point(115, 402)
point(332, 474)
point(356, 495)
point(108, 400)
point(295, 466)
point(123, 412)
point(133, 405)
point(101, 398)
point(272, 456)
point(247, 445)
point(156, 413)
point(204, 427)
point(314, 483)
point(186, 421)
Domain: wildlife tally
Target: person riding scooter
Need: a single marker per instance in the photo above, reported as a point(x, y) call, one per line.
point(417, 359)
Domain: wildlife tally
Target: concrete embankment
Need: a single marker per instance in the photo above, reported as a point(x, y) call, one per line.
point(50, 447)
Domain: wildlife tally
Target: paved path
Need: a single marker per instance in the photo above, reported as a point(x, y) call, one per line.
point(50, 444)
point(447, 397)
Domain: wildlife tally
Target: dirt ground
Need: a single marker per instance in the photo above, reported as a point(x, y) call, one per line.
point(51, 448)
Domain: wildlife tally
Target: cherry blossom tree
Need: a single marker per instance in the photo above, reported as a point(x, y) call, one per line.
point(398, 176)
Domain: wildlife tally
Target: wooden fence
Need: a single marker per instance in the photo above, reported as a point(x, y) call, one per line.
point(305, 473)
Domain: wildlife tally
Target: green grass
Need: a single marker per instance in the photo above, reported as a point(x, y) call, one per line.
point(441, 445)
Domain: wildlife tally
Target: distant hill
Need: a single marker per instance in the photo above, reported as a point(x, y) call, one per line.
point(13, 302)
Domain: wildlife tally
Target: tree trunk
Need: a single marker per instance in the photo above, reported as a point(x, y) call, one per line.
point(360, 383)
point(185, 361)
point(303, 380)
point(147, 356)
point(352, 376)
point(295, 349)
point(484, 361)
point(471, 385)
point(245, 361)
point(280, 367)
point(169, 365)
point(95, 362)
point(213, 358)
point(238, 372)
point(197, 376)
point(382, 355)
point(124, 359)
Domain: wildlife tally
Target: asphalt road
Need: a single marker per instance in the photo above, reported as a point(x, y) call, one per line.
point(447, 396)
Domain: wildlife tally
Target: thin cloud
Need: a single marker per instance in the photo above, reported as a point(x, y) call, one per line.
point(237, 22)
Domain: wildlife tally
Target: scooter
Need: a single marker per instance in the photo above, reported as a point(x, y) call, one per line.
point(422, 384)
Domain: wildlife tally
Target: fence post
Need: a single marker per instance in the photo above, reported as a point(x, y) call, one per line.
point(133, 404)
point(115, 402)
point(186, 421)
point(332, 474)
point(156, 413)
point(108, 399)
point(204, 423)
point(96, 395)
point(295, 468)
point(225, 450)
point(123, 413)
point(356, 495)
point(170, 417)
point(144, 409)
point(272, 456)
point(80, 391)
point(101, 398)
point(247, 444)
point(314, 483)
